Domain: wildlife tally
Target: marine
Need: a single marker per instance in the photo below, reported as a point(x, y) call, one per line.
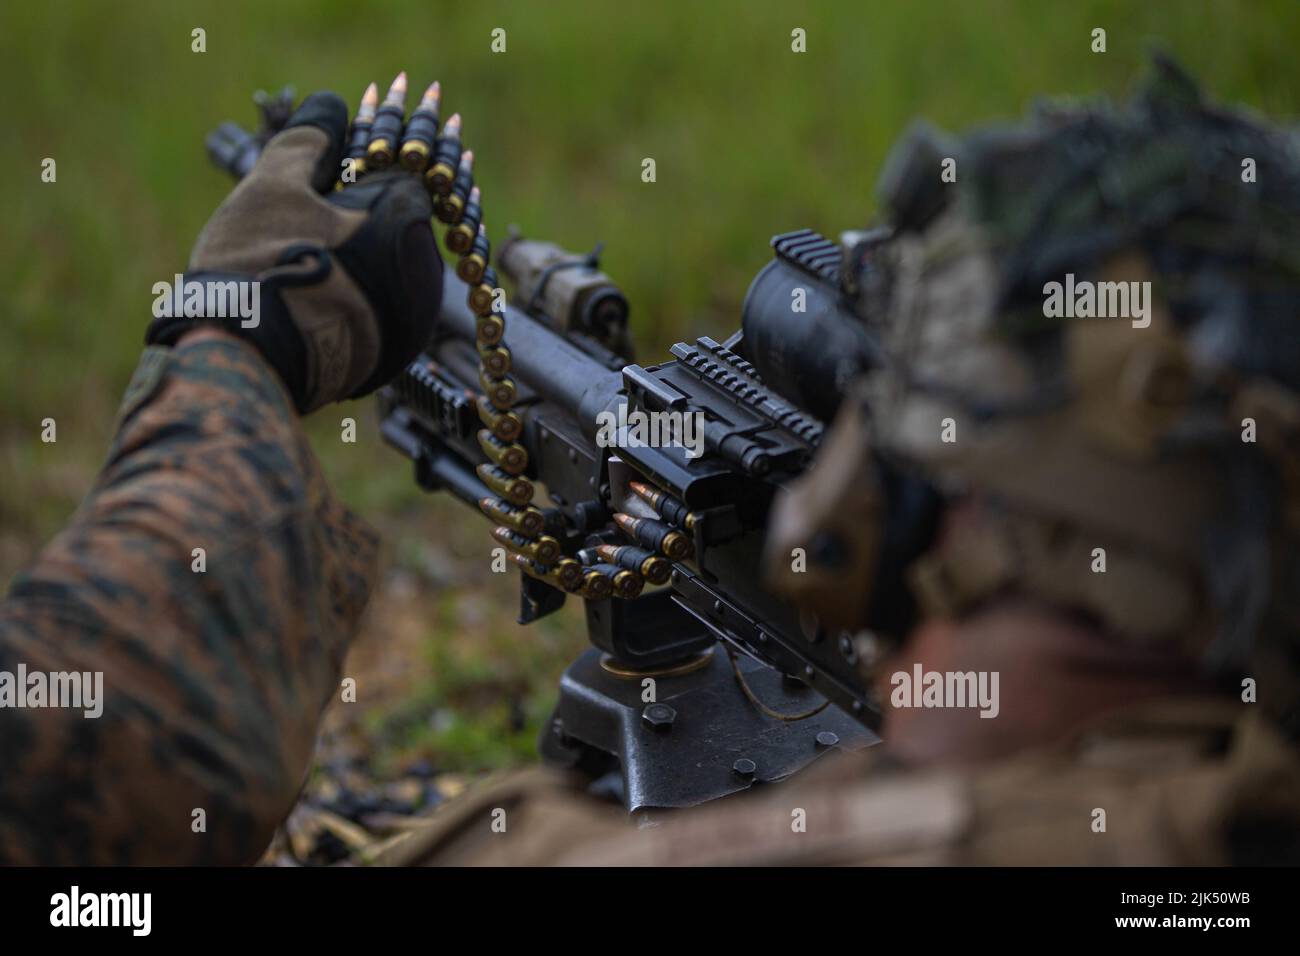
point(1125, 732)
point(1129, 727)
point(214, 681)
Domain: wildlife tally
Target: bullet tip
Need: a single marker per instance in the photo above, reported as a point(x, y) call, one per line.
point(397, 92)
point(371, 95)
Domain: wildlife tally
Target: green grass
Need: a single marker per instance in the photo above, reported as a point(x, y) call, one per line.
point(749, 139)
point(487, 689)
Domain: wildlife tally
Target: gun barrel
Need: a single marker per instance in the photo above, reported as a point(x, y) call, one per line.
point(554, 368)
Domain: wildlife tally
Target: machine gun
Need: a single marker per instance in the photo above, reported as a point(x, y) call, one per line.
point(705, 682)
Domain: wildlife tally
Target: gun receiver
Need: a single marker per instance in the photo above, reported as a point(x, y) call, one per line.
point(753, 439)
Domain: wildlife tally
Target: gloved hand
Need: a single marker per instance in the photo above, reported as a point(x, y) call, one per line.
point(349, 282)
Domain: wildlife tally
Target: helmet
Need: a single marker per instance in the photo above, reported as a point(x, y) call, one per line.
point(1091, 323)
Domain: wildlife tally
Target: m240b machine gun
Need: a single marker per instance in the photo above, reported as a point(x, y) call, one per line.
point(704, 682)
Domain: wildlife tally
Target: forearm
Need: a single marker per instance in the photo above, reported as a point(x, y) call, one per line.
point(213, 579)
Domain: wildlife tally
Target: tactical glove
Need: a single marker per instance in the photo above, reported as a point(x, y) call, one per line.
point(348, 282)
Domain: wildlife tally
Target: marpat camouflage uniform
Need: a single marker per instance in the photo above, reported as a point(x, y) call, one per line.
point(213, 681)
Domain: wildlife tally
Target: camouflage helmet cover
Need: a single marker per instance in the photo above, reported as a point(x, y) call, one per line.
point(1166, 436)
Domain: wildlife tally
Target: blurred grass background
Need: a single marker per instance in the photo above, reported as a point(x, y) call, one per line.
point(749, 139)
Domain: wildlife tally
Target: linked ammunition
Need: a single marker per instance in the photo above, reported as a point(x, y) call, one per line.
point(501, 392)
point(450, 209)
point(510, 458)
point(488, 327)
point(421, 130)
point(533, 569)
point(569, 572)
point(361, 126)
point(461, 236)
point(595, 586)
point(506, 426)
point(543, 549)
point(470, 268)
point(656, 536)
point(527, 521)
point(495, 358)
point(566, 574)
point(672, 509)
point(446, 157)
point(463, 184)
point(652, 567)
point(516, 490)
point(482, 297)
point(387, 129)
point(624, 584)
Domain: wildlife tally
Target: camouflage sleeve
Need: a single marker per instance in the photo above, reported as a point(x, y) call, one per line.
point(215, 663)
